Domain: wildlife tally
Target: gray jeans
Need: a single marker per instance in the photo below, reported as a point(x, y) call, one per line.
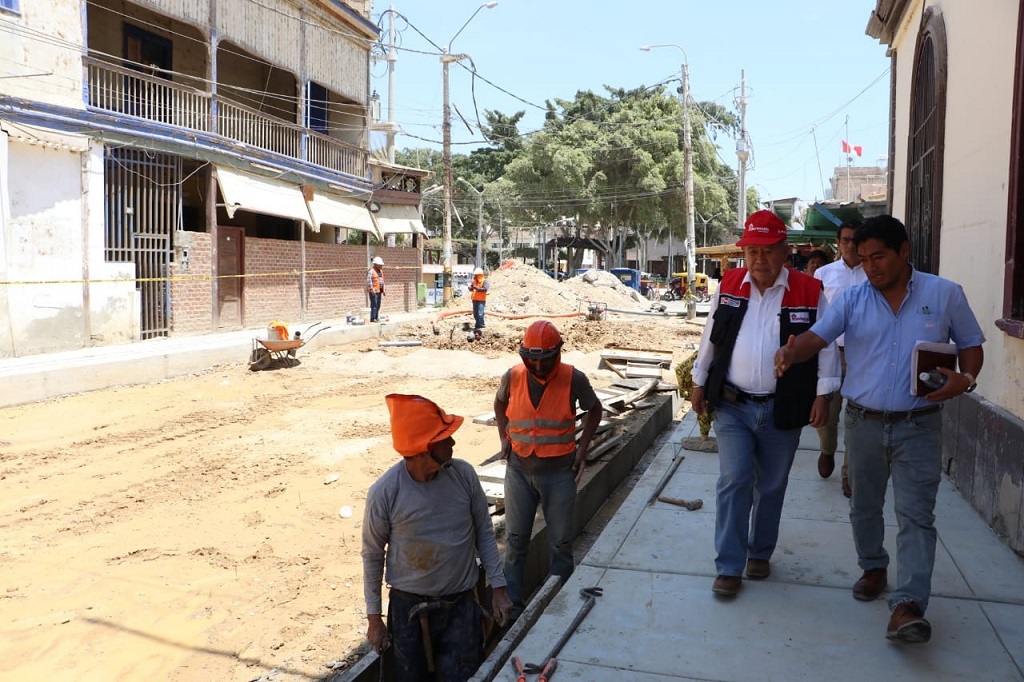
point(910, 451)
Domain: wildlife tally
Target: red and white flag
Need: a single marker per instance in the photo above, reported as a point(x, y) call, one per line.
point(852, 149)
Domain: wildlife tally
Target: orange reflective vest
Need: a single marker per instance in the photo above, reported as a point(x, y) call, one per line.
point(479, 292)
point(549, 430)
point(374, 281)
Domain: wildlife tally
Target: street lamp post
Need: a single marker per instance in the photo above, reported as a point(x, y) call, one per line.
point(446, 157)
point(479, 221)
point(691, 238)
point(704, 242)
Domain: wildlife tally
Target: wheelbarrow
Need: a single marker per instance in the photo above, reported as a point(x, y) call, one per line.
point(265, 352)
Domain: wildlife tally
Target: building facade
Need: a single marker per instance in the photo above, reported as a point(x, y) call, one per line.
point(185, 167)
point(956, 179)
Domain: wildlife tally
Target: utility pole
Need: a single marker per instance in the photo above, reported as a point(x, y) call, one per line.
point(391, 59)
point(691, 238)
point(742, 153)
point(446, 158)
point(501, 235)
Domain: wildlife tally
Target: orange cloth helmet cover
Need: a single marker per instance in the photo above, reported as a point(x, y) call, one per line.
point(418, 423)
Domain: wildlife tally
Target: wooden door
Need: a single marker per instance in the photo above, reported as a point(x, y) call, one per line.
point(230, 271)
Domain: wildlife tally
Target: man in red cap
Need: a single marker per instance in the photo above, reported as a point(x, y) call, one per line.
point(535, 409)
point(758, 419)
point(426, 518)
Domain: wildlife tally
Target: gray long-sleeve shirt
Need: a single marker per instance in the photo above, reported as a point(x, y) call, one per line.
point(427, 534)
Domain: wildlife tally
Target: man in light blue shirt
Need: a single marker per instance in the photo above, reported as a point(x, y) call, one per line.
point(890, 431)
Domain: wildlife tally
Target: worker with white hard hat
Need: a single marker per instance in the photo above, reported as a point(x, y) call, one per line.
point(375, 286)
point(478, 294)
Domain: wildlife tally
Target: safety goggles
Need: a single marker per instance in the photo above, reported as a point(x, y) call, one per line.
point(538, 353)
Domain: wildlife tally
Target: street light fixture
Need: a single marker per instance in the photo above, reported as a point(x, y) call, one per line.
point(479, 220)
point(446, 156)
point(691, 237)
point(704, 242)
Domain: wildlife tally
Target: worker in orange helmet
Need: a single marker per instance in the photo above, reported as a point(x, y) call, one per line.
point(426, 519)
point(535, 409)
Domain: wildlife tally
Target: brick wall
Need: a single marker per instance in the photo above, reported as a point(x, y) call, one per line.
point(191, 299)
point(335, 281)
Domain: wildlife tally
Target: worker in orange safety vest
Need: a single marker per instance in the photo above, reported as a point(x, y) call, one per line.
point(375, 287)
point(535, 410)
point(478, 294)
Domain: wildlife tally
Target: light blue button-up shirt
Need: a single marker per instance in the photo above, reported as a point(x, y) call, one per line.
point(879, 343)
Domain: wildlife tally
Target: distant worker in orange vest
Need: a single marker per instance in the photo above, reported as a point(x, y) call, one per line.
point(479, 287)
point(535, 409)
point(375, 287)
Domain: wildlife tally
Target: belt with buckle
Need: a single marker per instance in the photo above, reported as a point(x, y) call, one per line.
point(889, 417)
point(735, 395)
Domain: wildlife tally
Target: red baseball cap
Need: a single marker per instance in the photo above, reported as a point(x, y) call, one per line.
point(763, 228)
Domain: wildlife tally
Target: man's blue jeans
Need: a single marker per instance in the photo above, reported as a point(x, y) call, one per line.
point(375, 306)
point(910, 451)
point(478, 313)
point(556, 493)
point(754, 462)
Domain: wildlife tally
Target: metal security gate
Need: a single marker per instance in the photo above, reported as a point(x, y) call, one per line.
point(142, 209)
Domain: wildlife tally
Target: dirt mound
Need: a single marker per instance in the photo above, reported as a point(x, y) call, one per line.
point(523, 289)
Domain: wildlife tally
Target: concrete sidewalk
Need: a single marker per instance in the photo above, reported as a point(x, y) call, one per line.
point(658, 619)
point(40, 377)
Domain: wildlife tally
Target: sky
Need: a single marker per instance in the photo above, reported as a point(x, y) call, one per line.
point(813, 77)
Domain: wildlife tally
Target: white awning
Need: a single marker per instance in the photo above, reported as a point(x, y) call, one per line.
point(339, 211)
point(400, 219)
point(261, 195)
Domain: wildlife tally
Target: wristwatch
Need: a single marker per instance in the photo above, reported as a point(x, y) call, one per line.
point(974, 382)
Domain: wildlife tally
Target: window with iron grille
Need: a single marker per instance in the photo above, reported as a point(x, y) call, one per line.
point(927, 135)
point(1012, 321)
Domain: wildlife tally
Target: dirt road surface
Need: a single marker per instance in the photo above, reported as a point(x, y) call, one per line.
point(207, 527)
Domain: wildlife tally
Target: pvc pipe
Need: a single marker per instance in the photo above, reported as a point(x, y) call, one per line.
point(505, 316)
point(400, 343)
point(637, 312)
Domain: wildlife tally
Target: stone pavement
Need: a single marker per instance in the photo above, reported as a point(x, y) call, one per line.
point(658, 619)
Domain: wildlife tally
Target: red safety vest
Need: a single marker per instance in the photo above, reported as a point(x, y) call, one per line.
point(549, 430)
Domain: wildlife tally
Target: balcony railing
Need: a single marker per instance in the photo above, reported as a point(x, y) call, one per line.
point(134, 93)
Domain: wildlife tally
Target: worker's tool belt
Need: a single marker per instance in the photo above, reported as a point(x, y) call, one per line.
point(445, 602)
point(732, 394)
point(888, 417)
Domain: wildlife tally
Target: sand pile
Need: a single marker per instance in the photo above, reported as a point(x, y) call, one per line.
point(518, 289)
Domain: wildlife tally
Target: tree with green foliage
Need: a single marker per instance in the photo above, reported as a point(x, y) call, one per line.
point(608, 168)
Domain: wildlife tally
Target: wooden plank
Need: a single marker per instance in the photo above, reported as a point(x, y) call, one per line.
point(604, 392)
point(495, 492)
point(637, 372)
point(601, 449)
point(617, 367)
point(639, 393)
point(653, 358)
point(491, 471)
